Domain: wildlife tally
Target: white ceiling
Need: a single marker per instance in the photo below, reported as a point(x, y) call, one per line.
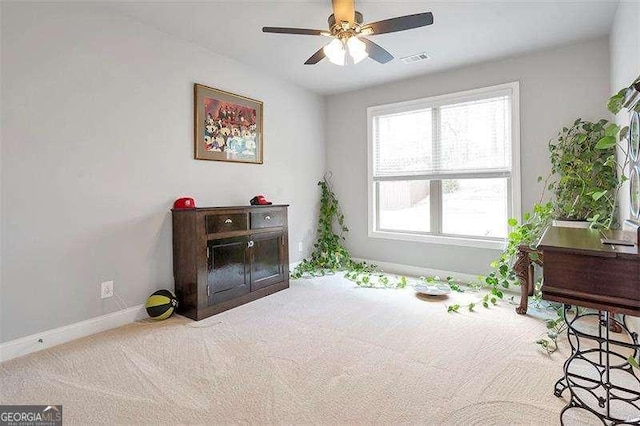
point(463, 33)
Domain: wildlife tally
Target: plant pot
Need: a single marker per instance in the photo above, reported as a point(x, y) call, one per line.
point(559, 223)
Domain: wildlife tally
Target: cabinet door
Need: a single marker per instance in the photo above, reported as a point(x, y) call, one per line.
point(228, 263)
point(267, 256)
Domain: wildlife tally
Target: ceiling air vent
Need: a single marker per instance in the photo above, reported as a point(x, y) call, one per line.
point(415, 58)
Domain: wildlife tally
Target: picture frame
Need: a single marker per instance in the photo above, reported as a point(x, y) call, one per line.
point(228, 127)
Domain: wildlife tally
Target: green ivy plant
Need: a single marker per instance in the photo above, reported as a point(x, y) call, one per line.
point(329, 254)
point(555, 327)
point(585, 172)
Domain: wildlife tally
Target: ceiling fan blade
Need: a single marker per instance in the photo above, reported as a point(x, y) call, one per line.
point(400, 23)
point(301, 31)
point(376, 52)
point(316, 57)
point(344, 10)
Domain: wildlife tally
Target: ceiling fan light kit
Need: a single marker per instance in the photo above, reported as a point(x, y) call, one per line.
point(336, 51)
point(346, 28)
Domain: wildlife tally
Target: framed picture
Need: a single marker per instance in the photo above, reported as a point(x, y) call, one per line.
point(228, 127)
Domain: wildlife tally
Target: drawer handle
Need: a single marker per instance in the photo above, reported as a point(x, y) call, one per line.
point(228, 221)
point(267, 217)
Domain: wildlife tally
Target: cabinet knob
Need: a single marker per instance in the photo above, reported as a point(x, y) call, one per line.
point(267, 217)
point(228, 221)
point(250, 244)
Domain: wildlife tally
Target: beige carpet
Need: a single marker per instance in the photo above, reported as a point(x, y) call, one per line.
point(322, 351)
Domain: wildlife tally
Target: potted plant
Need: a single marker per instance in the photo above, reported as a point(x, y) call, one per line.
point(584, 174)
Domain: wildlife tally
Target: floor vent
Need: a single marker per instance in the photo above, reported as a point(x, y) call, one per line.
point(415, 58)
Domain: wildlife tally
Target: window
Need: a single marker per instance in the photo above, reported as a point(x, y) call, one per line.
point(446, 169)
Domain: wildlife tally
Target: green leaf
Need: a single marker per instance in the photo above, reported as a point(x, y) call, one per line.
point(471, 306)
point(615, 102)
point(598, 194)
point(453, 308)
point(543, 342)
point(512, 222)
point(606, 142)
point(402, 282)
point(633, 362)
point(611, 130)
point(623, 133)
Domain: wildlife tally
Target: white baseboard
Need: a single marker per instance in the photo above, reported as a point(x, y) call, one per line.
point(46, 339)
point(417, 271)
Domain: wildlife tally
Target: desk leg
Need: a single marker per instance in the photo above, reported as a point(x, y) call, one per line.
point(521, 269)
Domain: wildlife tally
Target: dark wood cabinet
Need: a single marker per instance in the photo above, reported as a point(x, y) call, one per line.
point(267, 267)
point(224, 257)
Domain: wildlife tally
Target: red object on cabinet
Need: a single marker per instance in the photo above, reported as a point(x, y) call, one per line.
point(184, 203)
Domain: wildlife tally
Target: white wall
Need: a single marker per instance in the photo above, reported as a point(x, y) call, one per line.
point(625, 68)
point(556, 87)
point(97, 142)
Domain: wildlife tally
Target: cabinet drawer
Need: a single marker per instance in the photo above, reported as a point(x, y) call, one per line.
point(217, 223)
point(268, 219)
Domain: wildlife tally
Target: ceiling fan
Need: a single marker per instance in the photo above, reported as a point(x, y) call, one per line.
point(347, 30)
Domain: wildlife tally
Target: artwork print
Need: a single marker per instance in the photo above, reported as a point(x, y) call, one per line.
point(228, 127)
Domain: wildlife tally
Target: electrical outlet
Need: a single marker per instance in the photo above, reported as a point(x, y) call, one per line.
point(106, 289)
point(300, 246)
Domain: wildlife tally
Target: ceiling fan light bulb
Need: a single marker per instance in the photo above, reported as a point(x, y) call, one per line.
point(358, 56)
point(355, 44)
point(335, 52)
point(357, 49)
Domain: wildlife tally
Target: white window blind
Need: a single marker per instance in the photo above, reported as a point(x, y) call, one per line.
point(445, 169)
point(442, 141)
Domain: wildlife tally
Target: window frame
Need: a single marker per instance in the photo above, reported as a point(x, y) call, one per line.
point(513, 188)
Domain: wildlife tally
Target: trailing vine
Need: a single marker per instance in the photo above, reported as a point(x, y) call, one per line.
point(329, 254)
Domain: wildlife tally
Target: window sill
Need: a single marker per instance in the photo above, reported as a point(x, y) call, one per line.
point(440, 239)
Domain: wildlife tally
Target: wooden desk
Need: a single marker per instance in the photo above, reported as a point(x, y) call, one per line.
point(580, 271)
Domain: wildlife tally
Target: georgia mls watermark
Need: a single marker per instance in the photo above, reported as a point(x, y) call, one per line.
point(30, 415)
